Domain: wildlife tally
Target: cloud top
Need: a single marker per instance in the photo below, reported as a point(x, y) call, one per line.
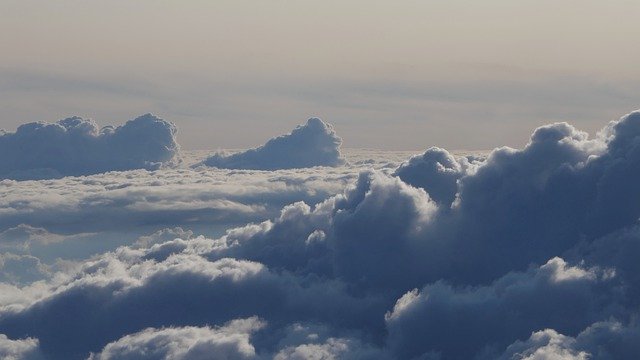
point(312, 144)
point(77, 146)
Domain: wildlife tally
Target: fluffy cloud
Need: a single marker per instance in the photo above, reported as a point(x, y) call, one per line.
point(228, 342)
point(312, 144)
point(23, 349)
point(554, 295)
point(76, 146)
point(436, 171)
point(528, 253)
point(332, 348)
point(127, 291)
point(602, 340)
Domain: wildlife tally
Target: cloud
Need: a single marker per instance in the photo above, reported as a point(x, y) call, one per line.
point(23, 237)
point(74, 217)
point(554, 295)
point(127, 291)
point(16, 269)
point(23, 349)
point(332, 348)
point(168, 196)
point(436, 171)
point(312, 144)
point(446, 257)
point(75, 146)
point(602, 340)
point(228, 342)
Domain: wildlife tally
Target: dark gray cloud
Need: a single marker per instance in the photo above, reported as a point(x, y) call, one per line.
point(312, 144)
point(75, 146)
point(528, 253)
point(554, 295)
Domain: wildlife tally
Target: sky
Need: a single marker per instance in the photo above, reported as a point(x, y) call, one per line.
point(401, 75)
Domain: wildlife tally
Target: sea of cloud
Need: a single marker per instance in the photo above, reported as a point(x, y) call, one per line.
point(516, 254)
point(76, 216)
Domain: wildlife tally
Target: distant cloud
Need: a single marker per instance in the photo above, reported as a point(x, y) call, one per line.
point(20, 269)
point(20, 238)
point(312, 144)
point(76, 146)
point(30, 211)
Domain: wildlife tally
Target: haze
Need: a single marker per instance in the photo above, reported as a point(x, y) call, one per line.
point(389, 75)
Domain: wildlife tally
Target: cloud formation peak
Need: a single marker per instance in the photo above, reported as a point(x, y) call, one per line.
point(312, 144)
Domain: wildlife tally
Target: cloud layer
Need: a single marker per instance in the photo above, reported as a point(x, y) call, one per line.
point(75, 146)
point(522, 254)
point(312, 144)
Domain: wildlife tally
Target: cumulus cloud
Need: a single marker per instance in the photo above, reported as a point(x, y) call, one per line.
point(127, 291)
point(436, 171)
point(312, 144)
point(554, 295)
point(228, 342)
point(602, 340)
point(524, 253)
point(22, 349)
point(76, 146)
point(332, 348)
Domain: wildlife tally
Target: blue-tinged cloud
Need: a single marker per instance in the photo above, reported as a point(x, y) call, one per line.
point(312, 144)
point(486, 318)
point(20, 349)
point(436, 171)
point(530, 252)
point(77, 146)
point(602, 340)
point(229, 342)
point(130, 290)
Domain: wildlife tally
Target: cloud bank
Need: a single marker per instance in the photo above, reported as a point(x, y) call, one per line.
point(312, 144)
point(524, 254)
point(76, 146)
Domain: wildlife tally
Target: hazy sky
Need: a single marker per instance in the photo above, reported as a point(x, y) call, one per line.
point(387, 74)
